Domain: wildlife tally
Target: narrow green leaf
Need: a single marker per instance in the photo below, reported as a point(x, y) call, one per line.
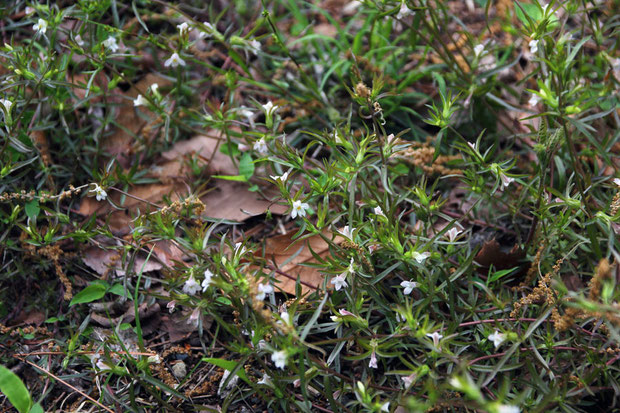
point(237, 178)
point(15, 390)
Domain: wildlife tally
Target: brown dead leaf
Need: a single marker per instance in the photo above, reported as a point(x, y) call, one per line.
point(281, 248)
point(35, 317)
point(121, 143)
point(204, 146)
point(326, 29)
point(227, 200)
point(80, 83)
point(104, 260)
point(232, 201)
point(491, 254)
point(179, 327)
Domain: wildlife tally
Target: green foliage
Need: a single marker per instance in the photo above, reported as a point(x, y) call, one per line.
point(89, 294)
point(452, 183)
point(13, 388)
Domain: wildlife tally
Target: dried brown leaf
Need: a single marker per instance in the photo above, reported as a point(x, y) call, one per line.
point(281, 248)
point(492, 254)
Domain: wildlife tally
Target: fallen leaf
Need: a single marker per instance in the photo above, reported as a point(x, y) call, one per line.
point(120, 144)
point(233, 201)
point(492, 254)
point(179, 328)
point(227, 200)
point(104, 260)
point(326, 29)
point(281, 248)
point(204, 146)
point(35, 317)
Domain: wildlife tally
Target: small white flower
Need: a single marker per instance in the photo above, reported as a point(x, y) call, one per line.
point(7, 104)
point(452, 233)
point(154, 359)
point(408, 380)
point(617, 181)
point(286, 318)
point(456, 383)
point(350, 269)
point(154, 87)
point(338, 138)
point(385, 407)
point(111, 44)
point(373, 361)
point(282, 177)
point(436, 337)
point(254, 46)
point(183, 28)
point(478, 50)
point(263, 290)
point(279, 359)
point(207, 33)
point(270, 108)
point(29, 10)
point(340, 281)
point(299, 208)
point(170, 306)
point(404, 11)
point(507, 408)
point(40, 27)
point(140, 101)
point(207, 281)
point(193, 317)
point(506, 180)
point(246, 113)
point(260, 146)
point(102, 365)
point(100, 193)
point(191, 286)
point(472, 145)
point(79, 41)
point(378, 211)
point(239, 248)
point(420, 257)
point(544, 9)
point(534, 99)
point(497, 338)
point(533, 46)
point(174, 61)
point(266, 380)
point(408, 286)
point(347, 232)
